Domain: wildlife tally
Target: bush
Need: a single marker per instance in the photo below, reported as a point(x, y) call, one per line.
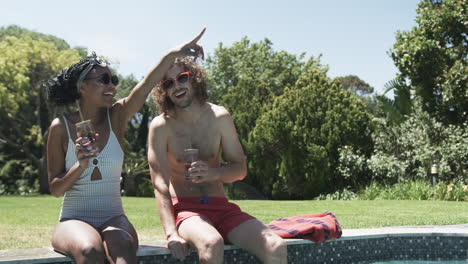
point(451, 192)
point(344, 194)
point(415, 190)
point(294, 145)
point(353, 166)
point(145, 187)
point(408, 151)
point(18, 177)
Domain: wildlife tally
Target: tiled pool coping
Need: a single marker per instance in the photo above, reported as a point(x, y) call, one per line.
point(355, 246)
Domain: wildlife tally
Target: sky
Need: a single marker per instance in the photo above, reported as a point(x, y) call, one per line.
point(353, 37)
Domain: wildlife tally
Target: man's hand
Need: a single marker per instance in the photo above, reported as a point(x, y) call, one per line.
point(200, 172)
point(179, 248)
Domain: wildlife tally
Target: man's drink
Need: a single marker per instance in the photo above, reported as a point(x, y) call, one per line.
point(190, 156)
point(85, 129)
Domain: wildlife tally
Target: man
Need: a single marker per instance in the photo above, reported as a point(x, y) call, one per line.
point(192, 204)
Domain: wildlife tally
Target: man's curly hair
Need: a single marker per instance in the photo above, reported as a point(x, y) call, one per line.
point(197, 78)
point(62, 89)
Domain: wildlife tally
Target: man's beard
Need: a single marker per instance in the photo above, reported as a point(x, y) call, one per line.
point(186, 103)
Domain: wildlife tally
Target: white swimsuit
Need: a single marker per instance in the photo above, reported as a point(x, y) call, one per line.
point(95, 202)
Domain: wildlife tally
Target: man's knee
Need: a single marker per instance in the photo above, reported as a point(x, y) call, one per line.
point(212, 248)
point(276, 247)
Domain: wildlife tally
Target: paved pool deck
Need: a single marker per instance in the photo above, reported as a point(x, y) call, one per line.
point(47, 255)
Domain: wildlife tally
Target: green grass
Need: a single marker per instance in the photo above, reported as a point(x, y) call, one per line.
point(28, 222)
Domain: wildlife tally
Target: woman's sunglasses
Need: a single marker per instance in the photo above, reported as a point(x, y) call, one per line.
point(106, 79)
point(169, 83)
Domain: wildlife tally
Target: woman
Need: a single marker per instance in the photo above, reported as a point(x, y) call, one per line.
point(87, 172)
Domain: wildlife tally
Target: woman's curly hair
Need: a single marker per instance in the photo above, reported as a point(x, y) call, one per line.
point(62, 89)
point(197, 78)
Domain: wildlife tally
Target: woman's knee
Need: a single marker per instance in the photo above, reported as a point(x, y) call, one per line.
point(120, 244)
point(88, 253)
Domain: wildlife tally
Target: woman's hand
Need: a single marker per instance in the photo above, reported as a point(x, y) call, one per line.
point(85, 150)
point(191, 48)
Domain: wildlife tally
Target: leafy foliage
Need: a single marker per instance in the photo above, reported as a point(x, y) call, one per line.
point(355, 84)
point(135, 172)
point(433, 57)
point(24, 112)
point(397, 109)
point(415, 190)
point(408, 151)
point(294, 145)
point(248, 76)
point(15, 177)
point(19, 32)
point(363, 91)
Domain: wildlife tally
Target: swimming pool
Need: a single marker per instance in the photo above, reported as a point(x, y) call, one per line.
point(385, 248)
point(422, 262)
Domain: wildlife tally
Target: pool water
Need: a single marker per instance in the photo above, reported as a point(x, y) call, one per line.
point(421, 262)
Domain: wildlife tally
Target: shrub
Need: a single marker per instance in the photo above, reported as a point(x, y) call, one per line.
point(18, 177)
point(344, 194)
point(415, 190)
point(407, 152)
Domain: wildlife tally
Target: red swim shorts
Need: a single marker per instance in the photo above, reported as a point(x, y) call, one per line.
point(222, 214)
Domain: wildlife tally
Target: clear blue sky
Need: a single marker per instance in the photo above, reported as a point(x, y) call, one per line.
point(352, 36)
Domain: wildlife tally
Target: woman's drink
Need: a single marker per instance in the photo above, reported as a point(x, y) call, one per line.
point(85, 129)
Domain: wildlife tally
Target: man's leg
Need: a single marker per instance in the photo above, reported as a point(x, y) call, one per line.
point(206, 239)
point(259, 240)
point(120, 240)
point(79, 240)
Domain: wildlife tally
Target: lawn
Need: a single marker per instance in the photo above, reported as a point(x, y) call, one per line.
point(28, 222)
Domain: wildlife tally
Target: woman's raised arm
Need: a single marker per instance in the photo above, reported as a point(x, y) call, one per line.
point(131, 104)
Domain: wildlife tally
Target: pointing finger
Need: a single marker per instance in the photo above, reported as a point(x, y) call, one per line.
point(198, 37)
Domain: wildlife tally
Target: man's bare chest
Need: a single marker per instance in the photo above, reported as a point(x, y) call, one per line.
point(205, 138)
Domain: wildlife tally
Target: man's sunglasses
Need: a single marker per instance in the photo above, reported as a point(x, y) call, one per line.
point(169, 83)
point(106, 79)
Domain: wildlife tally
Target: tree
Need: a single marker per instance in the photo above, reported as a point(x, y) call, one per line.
point(361, 90)
point(247, 76)
point(19, 32)
point(355, 84)
point(24, 113)
point(432, 57)
point(295, 143)
point(397, 109)
point(135, 168)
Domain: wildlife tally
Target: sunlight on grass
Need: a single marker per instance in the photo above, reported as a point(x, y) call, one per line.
point(28, 222)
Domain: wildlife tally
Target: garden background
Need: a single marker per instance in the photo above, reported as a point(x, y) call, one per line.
point(306, 135)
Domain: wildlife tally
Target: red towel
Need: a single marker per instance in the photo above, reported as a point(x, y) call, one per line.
point(314, 227)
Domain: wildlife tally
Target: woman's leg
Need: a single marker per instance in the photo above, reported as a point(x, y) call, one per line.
point(79, 240)
point(259, 240)
point(201, 234)
point(120, 240)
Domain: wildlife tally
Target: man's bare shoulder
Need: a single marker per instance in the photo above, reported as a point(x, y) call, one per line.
point(219, 111)
point(159, 123)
